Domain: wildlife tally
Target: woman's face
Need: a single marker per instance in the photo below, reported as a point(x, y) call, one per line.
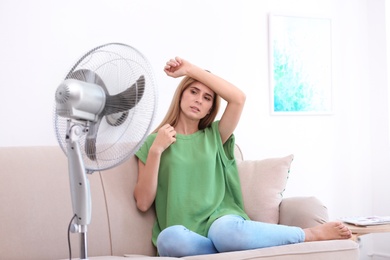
point(196, 101)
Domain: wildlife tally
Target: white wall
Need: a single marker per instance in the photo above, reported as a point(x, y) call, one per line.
point(379, 16)
point(378, 31)
point(342, 159)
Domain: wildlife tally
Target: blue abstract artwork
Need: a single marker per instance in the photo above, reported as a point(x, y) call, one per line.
point(300, 65)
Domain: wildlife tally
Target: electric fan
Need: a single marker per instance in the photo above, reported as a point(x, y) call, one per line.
point(104, 109)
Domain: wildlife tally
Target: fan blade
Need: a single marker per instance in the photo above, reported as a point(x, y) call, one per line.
point(125, 100)
point(121, 102)
point(90, 139)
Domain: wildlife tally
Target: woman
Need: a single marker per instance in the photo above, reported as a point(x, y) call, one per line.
point(187, 168)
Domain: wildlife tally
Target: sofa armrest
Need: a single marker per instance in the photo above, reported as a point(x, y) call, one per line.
point(302, 212)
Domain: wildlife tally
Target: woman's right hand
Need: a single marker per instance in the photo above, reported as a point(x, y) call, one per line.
point(166, 136)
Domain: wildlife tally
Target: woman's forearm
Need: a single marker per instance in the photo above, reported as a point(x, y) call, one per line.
point(146, 187)
point(223, 88)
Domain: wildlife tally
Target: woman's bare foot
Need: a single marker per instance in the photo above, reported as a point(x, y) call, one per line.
point(327, 231)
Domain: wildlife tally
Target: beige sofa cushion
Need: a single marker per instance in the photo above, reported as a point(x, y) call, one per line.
point(36, 207)
point(324, 250)
point(130, 229)
point(302, 212)
point(263, 182)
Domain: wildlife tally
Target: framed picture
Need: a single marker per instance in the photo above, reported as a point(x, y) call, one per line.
point(300, 55)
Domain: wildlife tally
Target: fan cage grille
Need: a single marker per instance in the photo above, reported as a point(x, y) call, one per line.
point(118, 66)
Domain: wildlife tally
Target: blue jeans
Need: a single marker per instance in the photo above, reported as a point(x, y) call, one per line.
point(228, 233)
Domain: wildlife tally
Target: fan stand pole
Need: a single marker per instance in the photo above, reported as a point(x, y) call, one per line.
point(83, 242)
point(79, 185)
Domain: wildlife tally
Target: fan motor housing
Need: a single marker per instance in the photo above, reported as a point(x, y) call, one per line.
point(79, 100)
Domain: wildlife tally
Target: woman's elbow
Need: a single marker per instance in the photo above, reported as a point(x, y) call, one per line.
point(243, 98)
point(142, 205)
point(240, 99)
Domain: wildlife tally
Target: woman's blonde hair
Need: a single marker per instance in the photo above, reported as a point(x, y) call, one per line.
point(173, 113)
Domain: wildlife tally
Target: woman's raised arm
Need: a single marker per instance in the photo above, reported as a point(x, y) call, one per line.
point(234, 97)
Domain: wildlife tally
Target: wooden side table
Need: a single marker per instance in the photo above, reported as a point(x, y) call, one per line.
point(359, 230)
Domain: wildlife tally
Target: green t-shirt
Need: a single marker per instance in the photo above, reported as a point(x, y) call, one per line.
point(198, 181)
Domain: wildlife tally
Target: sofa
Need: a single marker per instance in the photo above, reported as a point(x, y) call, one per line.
point(36, 210)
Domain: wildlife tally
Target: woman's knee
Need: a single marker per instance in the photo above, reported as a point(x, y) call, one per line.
point(167, 240)
point(178, 241)
point(228, 234)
